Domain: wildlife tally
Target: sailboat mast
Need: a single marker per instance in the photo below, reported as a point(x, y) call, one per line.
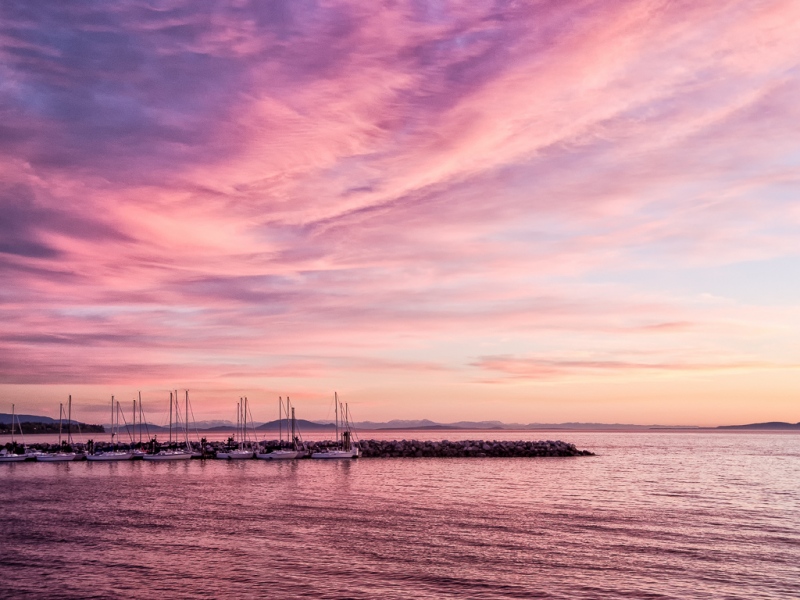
point(280, 420)
point(186, 418)
point(118, 411)
point(287, 420)
point(294, 440)
point(69, 421)
point(177, 418)
point(244, 422)
point(170, 418)
point(140, 418)
point(12, 424)
point(60, 412)
point(336, 408)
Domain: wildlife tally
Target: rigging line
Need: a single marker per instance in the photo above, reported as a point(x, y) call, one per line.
point(194, 420)
point(21, 434)
point(124, 420)
point(350, 424)
point(144, 420)
point(252, 423)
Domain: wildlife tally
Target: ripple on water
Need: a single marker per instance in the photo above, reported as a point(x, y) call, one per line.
point(654, 515)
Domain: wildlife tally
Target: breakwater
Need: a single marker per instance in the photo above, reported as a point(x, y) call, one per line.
point(387, 449)
point(467, 449)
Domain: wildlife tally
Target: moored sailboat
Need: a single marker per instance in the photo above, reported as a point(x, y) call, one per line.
point(285, 453)
point(5, 455)
point(169, 453)
point(345, 448)
point(65, 453)
point(245, 449)
point(114, 454)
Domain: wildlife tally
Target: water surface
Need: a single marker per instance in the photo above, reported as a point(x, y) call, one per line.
point(654, 515)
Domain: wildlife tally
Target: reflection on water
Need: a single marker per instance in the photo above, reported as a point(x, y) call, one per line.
point(653, 515)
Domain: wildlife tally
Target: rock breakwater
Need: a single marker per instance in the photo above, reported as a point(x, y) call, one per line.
point(465, 449)
point(390, 448)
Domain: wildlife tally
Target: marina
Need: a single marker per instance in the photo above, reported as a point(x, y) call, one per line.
point(323, 449)
point(243, 445)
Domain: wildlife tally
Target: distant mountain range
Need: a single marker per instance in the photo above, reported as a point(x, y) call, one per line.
point(426, 424)
point(572, 426)
point(302, 425)
point(769, 425)
point(488, 425)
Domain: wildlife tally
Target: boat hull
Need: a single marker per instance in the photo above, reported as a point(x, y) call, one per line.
point(111, 456)
point(280, 455)
point(56, 457)
point(168, 456)
point(13, 458)
point(239, 455)
point(336, 454)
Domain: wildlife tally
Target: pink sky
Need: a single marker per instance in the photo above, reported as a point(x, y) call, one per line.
point(525, 211)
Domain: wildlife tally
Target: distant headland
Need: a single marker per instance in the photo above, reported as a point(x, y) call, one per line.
point(33, 424)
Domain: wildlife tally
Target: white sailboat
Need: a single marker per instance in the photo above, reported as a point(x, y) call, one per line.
point(5, 455)
point(170, 453)
point(188, 411)
point(245, 449)
point(137, 449)
point(345, 446)
point(62, 455)
point(112, 455)
point(284, 453)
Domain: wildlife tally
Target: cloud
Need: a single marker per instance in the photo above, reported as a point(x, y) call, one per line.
point(538, 369)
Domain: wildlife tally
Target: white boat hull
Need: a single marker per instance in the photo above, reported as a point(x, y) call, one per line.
point(69, 456)
point(240, 454)
point(280, 455)
point(13, 458)
point(334, 454)
point(108, 456)
point(168, 456)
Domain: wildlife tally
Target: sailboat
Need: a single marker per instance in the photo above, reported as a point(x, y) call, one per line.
point(137, 449)
point(62, 455)
point(284, 453)
point(241, 430)
point(170, 453)
point(345, 447)
point(112, 454)
point(5, 455)
point(192, 451)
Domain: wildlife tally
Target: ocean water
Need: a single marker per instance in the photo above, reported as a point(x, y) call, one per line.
point(653, 515)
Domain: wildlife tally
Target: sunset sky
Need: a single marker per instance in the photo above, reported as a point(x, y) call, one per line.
point(537, 211)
